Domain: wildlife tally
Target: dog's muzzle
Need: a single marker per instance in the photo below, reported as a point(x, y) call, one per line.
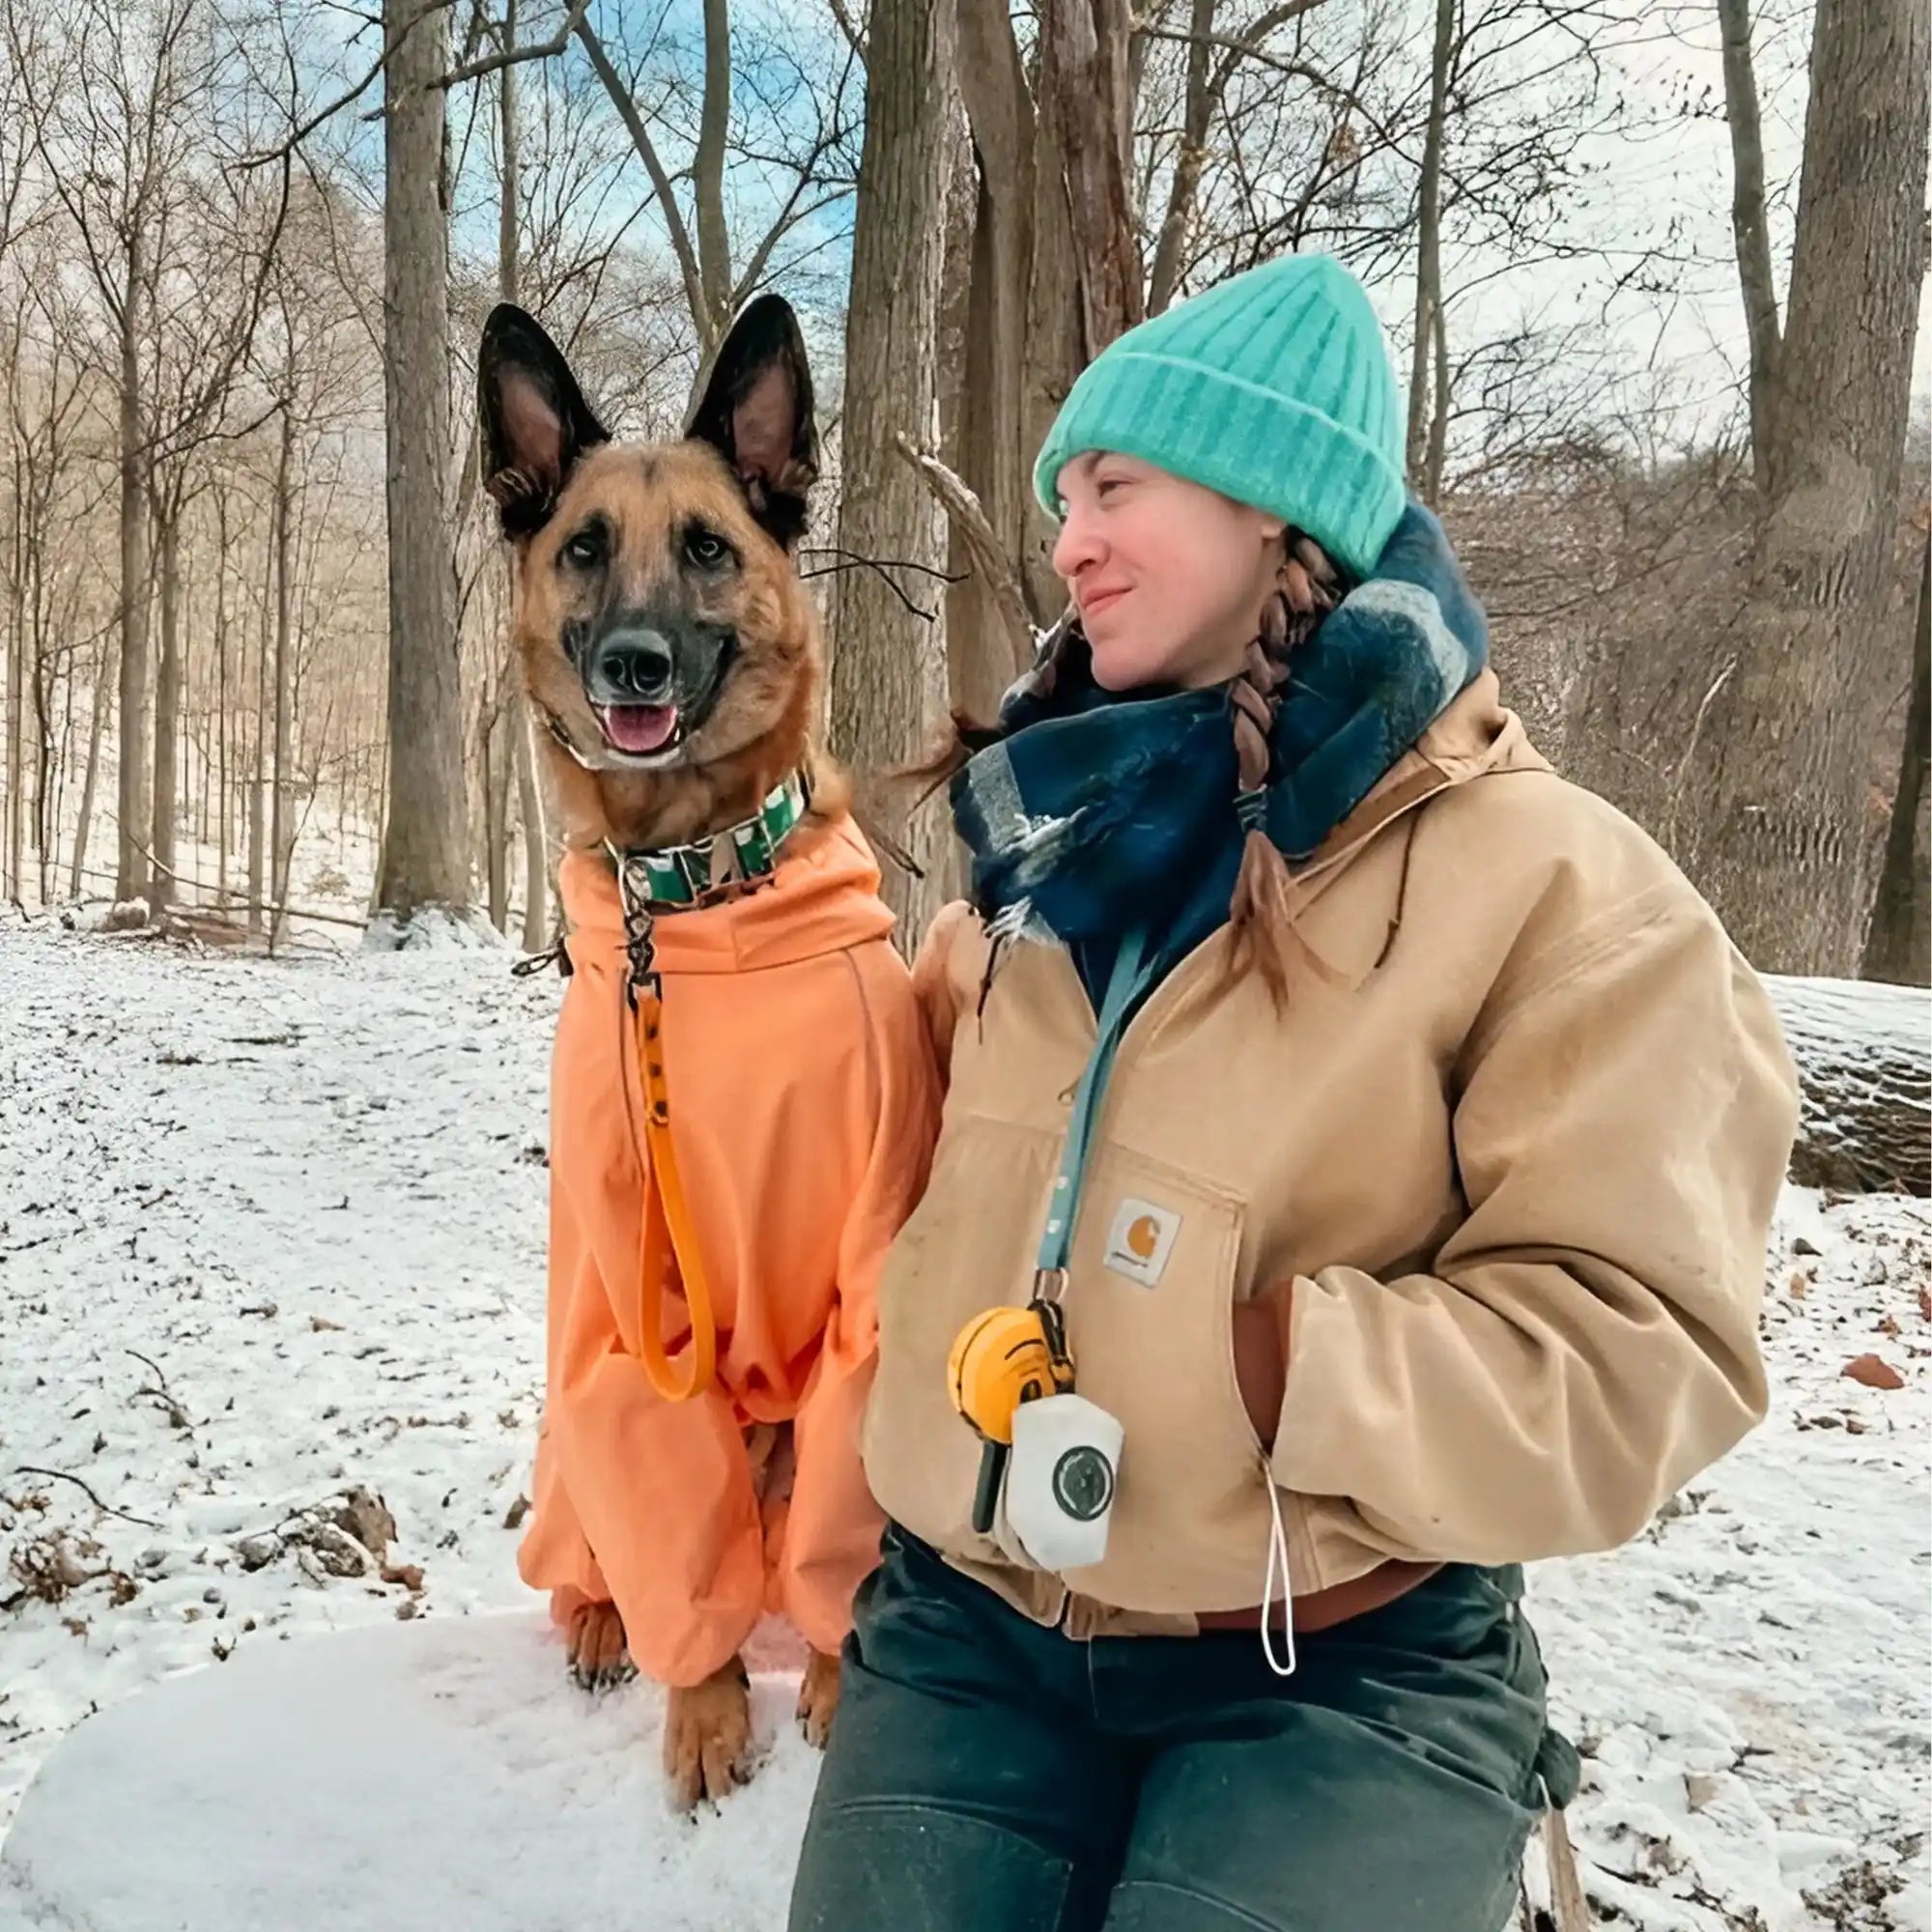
point(628, 667)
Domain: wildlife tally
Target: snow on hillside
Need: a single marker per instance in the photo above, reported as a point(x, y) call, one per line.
point(272, 1235)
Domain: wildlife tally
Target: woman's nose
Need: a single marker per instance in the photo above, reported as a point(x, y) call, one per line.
point(1077, 546)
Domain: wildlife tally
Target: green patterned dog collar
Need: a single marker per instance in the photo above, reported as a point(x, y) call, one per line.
point(717, 866)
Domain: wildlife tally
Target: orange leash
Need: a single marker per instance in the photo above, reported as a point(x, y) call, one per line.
point(665, 1203)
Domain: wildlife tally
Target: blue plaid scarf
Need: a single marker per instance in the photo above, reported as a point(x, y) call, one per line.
point(1096, 811)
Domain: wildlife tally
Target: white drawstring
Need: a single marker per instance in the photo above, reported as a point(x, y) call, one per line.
point(1277, 1551)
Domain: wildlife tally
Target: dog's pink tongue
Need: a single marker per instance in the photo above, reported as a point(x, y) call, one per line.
point(638, 727)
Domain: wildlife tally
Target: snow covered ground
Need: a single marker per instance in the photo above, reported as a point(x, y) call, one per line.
point(271, 1232)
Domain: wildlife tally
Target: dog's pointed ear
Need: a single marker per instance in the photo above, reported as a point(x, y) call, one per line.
point(757, 413)
point(533, 421)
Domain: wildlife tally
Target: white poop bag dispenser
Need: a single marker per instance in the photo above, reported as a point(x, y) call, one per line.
point(1060, 1480)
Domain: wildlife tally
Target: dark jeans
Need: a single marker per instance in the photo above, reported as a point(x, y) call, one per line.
point(988, 1776)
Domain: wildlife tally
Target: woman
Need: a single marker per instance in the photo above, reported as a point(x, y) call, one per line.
point(1396, 1133)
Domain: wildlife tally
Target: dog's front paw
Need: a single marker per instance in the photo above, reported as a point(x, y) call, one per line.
point(595, 1647)
point(707, 1736)
point(818, 1698)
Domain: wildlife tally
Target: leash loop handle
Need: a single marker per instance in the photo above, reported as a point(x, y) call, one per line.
point(666, 1202)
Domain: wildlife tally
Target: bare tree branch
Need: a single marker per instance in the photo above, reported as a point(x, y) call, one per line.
point(982, 547)
point(1748, 227)
point(640, 139)
point(515, 56)
point(92, 1497)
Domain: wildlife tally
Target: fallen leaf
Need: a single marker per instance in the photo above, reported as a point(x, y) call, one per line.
point(322, 1325)
point(1926, 1302)
point(513, 1517)
point(1797, 1284)
point(1874, 1372)
point(1801, 1246)
point(1888, 1325)
point(408, 1574)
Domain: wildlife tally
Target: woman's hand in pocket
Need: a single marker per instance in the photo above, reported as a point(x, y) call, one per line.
point(1261, 1356)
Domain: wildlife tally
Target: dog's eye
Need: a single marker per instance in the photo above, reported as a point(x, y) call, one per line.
point(706, 549)
point(586, 548)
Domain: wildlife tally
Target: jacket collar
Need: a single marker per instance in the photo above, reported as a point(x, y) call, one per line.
point(1475, 737)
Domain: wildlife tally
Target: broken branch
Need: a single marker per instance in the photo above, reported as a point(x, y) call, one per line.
point(92, 1495)
point(982, 548)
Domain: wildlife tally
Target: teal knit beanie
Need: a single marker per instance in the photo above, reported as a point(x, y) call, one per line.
point(1274, 388)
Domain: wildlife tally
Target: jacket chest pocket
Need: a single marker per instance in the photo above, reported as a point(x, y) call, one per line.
point(968, 1246)
point(1157, 1265)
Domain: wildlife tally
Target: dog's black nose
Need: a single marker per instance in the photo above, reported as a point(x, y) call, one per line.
point(631, 666)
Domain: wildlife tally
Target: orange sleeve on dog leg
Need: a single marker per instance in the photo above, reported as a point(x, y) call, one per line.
point(665, 1500)
point(659, 1491)
point(554, 1553)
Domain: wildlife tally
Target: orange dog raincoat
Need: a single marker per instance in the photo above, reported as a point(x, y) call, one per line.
point(802, 1106)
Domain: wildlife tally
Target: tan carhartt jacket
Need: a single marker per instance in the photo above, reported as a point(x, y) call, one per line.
point(1518, 1162)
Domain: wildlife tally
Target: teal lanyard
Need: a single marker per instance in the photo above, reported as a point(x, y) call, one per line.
point(1133, 972)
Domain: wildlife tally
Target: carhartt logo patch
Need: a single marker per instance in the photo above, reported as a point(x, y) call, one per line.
point(1141, 1240)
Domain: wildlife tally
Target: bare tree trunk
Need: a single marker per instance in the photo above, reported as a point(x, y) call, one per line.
point(96, 718)
point(1429, 244)
point(992, 435)
point(167, 708)
point(507, 130)
point(1899, 945)
point(707, 174)
point(1188, 162)
point(204, 751)
point(221, 697)
point(1054, 347)
point(130, 869)
point(257, 790)
point(1047, 292)
point(883, 707)
point(1777, 824)
point(497, 812)
point(516, 716)
point(536, 845)
point(1438, 410)
point(1084, 66)
point(16, 691)
point(282, 815)
point(49, 764)
point(975, 657)
point(1748, 227)
point(425, 860)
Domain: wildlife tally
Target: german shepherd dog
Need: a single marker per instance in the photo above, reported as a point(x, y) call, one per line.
point(672, 656)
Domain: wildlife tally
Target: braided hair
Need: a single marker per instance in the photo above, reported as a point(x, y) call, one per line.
point(1307, 587)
